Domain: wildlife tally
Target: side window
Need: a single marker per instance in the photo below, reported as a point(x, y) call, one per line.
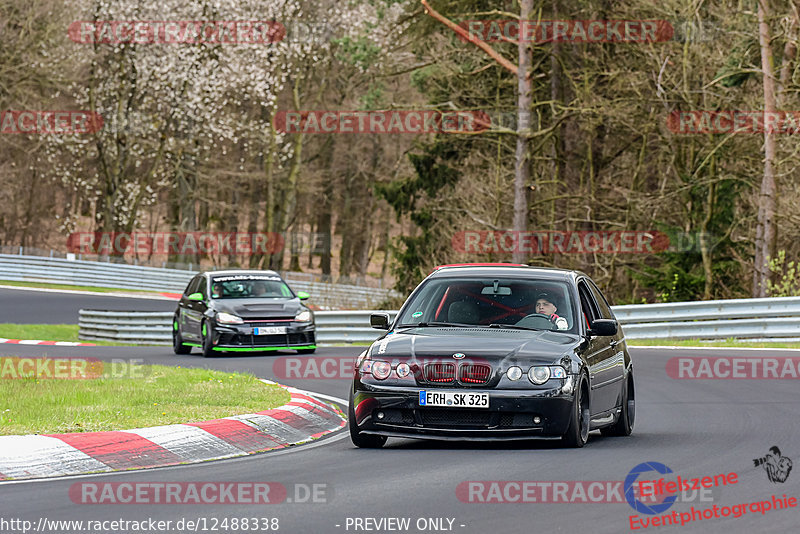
point(202, 286)
point(588, 305)
point(192, 287)
point(602, 303)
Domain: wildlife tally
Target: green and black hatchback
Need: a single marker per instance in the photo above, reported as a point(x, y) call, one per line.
point(242, 311)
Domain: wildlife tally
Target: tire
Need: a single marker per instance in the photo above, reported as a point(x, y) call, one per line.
point(207, 335)
point(360, 440)
point(306, 351)
point(624, 424)
point(578, 431)
point(177, 340)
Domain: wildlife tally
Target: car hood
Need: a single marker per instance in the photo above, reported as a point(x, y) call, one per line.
point(490, 345)
point(259, 308)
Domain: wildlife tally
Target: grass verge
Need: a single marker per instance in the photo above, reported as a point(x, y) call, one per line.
point(75, 288)
point(156, 395)
point(715, 343)
point(48, 332)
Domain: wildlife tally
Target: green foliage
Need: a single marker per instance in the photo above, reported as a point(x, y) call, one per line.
point(418, 197)
point(733, 73)
point(357, 52)
point(788, 275)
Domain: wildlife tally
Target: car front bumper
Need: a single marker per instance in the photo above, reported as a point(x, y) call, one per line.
point(241, 338)
point(395, 412)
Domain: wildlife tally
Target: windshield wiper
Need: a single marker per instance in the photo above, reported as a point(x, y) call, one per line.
point(515, 327)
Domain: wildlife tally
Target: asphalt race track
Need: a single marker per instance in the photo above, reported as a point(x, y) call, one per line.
point(697, 428)
point(48, 307)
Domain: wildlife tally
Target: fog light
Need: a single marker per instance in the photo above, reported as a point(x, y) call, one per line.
point(514, 373)
point(537, 420)
point(381, 415)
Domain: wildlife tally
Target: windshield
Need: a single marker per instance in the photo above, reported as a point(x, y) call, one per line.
point(249, 286)
point(496, 302)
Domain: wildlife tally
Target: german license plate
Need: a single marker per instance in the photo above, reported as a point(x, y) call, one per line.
point(269, 330)
point(454, 399)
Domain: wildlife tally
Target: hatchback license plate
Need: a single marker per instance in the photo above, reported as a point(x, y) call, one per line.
point(454, 399)
point(269, 330)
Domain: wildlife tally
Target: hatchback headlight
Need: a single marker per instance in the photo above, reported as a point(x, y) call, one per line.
point(539, 375)
point(228, 318)
point(303, 317)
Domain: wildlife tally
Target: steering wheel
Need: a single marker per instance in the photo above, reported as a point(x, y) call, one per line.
point(537, 320)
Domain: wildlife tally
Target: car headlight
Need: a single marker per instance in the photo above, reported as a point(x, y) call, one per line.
point(228, 318)
point(403, 370)
point(514, 373)
point(381, 370)
point(539, 375)
point(303, 317)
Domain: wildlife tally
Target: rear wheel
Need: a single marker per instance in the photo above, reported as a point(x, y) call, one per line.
point(362, 441)
point(624, 424)
point(177, 340)
point(578, 432)
point(208, 339)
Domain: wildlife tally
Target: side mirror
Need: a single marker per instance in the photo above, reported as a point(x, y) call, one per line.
point(197, 297)
point(604, 327)
point(379, 321)
point(302, 295)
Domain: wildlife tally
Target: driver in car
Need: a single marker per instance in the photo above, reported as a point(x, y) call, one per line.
point(545, 306)
point(259, 289)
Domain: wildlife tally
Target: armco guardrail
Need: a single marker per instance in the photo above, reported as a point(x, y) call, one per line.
point(117, 275)
point(156, 327)
point(721, 319)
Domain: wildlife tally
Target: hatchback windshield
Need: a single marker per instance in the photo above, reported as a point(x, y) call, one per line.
point(496, 302)
point(249, 286)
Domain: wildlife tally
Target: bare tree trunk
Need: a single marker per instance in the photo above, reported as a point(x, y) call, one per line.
point(765, 231)
point(522, 171)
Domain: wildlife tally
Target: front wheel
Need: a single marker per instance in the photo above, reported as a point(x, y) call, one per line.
point(208, 339)
point(177, 340)
point(624, 424)
point(362, 441)
point(578, 432)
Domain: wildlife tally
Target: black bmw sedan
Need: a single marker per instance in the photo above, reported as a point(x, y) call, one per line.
point(242, 311)
point(495, 352)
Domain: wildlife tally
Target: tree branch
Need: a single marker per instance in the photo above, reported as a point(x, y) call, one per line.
point(466, 36)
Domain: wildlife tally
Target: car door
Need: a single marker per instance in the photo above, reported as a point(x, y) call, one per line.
point(616, 366)
point(599, 355)
point(191, 311)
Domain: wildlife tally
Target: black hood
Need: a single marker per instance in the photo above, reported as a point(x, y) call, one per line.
point(493, 345)
point(259, 308)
